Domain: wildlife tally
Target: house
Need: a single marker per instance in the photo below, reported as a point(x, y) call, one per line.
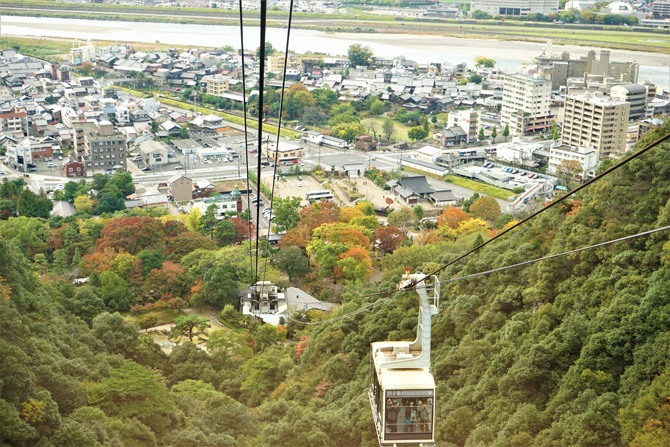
point(74, 169)
point(365, 143)
point(203, 187)
point(180, 188)
point(62, 208)
point(222, 202)
point(173, 129)
point(333, 142)
point(153, 200)
point(443, 198)
point(428, 154)
point(154, 152)
point(411, 189)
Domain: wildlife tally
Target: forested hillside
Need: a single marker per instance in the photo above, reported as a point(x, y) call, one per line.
point(567, 352)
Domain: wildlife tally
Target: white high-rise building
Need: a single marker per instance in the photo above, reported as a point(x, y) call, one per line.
point(525, 104)
point(515, 7)
point(468, 120)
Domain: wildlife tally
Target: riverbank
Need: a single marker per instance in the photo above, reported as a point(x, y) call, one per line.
point(614, 38)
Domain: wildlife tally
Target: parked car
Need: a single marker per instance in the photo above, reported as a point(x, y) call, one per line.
point(300, 177)
point(147, 169)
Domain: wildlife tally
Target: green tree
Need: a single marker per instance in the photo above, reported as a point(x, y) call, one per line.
point(388, 127)
point(186, 94)
point(132, 391)
point(183, 133)
point(494, 134)
point(147, 321)
point(554, 130)
point(224, 232)
point(220, 286)
point(417, 133)
point(377, 108)
point(418, 211)
point(184, 326)
point(505, 132)
point(586, 16)
point(293, 261)
point(475, 78)
point(86, 304)
point(347, 131)
point(31, 205)
point(358, 54)
point(481, 136)
point(269, 50)
point(286, 213)
point(486, 208)
point(114, 291)
point(481, 61)
point(208, 221)
point(229, 345)
point(403, 219)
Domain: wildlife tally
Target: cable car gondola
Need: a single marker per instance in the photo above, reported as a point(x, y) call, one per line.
point(402, 388)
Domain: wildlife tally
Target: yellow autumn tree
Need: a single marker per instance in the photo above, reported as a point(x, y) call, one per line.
point(83, 204)
point(471, 226)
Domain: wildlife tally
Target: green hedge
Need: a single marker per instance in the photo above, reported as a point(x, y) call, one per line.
point(264, 189)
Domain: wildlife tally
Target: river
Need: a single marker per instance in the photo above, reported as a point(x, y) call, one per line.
point(421, 48)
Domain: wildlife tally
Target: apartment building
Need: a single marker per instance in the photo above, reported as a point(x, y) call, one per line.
point(559, 67)
point(635, 95)
point(99, 146)
point(661, 9)
point(276, 63)
point(525, 104)
point(217, 85)
point(468, 120)
point(592, 119)
point(515, 7)
point(586, 156)
point(15, 122)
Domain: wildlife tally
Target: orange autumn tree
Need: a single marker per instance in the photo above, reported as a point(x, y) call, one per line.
point(354, 264)
point(97, 262)
point(298, 237)
point(313, 216)
point(452, 217)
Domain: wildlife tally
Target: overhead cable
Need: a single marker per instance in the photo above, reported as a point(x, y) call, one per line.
point(281, 110)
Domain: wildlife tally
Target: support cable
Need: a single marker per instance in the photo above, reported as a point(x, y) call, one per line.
point(261, 88)
point(488, 272)
point(281, 110)
point(246, 146)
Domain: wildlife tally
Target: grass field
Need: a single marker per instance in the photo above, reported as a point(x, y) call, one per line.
point(483, 188)
point(400, 132)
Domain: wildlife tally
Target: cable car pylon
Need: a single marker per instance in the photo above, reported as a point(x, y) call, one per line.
point(402, 387)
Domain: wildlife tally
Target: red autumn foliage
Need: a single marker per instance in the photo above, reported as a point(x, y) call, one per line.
point(132, 234)
point(389, 238)
point(301, 346)
point(313, 216)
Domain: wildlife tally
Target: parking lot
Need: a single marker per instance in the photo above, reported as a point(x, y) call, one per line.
point(293, 187)
point(515, 177)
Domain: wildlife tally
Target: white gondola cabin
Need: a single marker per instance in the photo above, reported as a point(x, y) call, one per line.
point(402, 388)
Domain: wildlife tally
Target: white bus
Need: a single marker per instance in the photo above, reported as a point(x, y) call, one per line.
point(319, 195)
